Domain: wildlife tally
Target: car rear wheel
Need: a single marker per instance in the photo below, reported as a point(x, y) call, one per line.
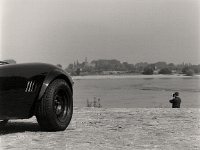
point(3, 123)
point(55, 110)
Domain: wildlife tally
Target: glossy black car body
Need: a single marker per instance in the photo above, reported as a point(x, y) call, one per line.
point(22, 87)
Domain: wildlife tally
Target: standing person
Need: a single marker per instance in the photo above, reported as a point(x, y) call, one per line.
point(176, 101)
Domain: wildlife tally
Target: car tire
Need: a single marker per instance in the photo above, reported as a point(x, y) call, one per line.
point(55, 109)
point(3, 123)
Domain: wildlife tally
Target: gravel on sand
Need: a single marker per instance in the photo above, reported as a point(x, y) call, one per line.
point(111, 128)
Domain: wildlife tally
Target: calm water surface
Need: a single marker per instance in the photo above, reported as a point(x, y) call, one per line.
point(137, 92)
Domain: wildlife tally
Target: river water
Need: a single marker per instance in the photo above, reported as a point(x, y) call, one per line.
point(137, 92)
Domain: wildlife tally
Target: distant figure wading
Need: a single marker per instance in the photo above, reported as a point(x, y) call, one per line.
point(176, 101)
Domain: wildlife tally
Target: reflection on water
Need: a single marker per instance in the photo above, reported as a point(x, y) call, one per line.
point(137, 92)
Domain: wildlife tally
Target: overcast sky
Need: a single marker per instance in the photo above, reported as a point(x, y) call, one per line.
point(62, 31)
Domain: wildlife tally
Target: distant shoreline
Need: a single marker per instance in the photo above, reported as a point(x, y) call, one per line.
point(133, 76)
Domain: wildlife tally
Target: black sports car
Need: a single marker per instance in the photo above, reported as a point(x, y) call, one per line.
point(36, 89)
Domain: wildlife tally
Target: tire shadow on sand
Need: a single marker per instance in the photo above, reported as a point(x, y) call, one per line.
point(17, 127)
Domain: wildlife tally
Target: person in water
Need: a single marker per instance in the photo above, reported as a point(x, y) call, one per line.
point(176, 101)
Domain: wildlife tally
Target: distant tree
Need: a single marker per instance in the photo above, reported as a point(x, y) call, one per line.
point(196, 68)
point(70, 67)
point(148, 70)
point(107, 65)
point(87, 69)
point(73, 73)
point(10, 61)
point(78, 71)
point(139, 67)
point(128, 67)
point(97, 66)
point(165, 71)
point(190, 72)
point(171, 66)
point(185, 69)
point(59, 65)
point(160, 65)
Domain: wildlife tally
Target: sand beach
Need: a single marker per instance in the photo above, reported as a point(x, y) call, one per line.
point(111, 128)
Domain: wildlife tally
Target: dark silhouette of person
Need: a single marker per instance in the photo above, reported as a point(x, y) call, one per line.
point(176, 101)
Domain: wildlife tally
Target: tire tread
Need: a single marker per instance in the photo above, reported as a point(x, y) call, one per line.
point(44, 113)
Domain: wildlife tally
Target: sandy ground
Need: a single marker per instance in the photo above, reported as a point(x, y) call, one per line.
point(94, 128)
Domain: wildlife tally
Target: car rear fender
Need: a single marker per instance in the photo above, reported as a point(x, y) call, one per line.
point(51, 76)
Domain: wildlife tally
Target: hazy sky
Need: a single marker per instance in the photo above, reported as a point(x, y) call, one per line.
point(62, 31)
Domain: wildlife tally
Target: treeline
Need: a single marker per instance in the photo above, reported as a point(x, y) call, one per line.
point(103, 66)
point(113, 66)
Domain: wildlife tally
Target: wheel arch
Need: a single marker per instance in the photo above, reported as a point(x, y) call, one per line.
point(53, 75)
